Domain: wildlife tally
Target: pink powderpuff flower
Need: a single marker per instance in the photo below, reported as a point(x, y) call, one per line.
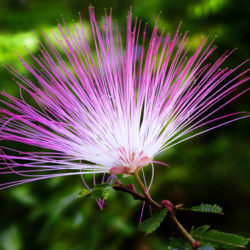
point(114, 110)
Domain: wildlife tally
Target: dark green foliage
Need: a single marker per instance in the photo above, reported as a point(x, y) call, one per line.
point(207, 208)
point(218, 239)
point(178, 243)
point(151, 224)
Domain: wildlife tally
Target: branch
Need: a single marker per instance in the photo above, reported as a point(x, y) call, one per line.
point(118, 186)
point(130, 189)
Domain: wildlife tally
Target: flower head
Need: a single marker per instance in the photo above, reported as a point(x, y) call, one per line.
point(114, 110)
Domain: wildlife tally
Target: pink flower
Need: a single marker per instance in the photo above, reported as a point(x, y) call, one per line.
point(114, 110)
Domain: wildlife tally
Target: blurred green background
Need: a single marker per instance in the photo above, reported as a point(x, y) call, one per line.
point(214, 167)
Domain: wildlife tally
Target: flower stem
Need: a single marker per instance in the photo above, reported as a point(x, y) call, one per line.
point(145, 192)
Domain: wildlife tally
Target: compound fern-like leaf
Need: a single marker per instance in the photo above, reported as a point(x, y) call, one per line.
point(218, 239)
point(207, 208)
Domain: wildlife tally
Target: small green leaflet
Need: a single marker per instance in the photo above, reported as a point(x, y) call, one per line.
point(207, 208)
point(218, 239)
point(84, 193)
point(99, 191)
point(151, 224)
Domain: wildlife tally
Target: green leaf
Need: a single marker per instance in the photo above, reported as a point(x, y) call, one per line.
point(207, 208)
point(99, 191)
point(218, 239)
point(84, 193)
point(151, 224)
